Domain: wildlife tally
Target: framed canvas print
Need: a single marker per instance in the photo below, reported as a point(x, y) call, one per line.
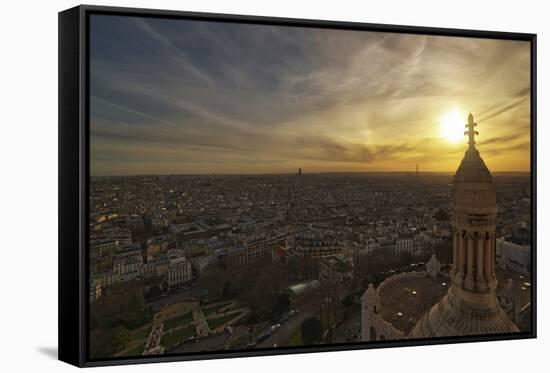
point(236, 186)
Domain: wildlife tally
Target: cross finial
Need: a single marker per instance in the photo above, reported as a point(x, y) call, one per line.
point(471, 131)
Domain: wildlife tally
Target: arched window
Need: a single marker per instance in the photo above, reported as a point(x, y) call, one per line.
point(372, 334)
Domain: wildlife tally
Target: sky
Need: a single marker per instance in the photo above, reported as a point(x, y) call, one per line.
point(170, 96)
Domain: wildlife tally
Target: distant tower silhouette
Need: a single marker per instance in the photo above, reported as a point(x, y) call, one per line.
point(299, 172)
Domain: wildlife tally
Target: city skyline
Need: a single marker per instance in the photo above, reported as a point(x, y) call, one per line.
point(279, 187)
point(173, 97)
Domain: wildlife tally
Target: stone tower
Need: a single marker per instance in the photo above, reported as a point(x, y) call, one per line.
point(471, 306)
point(369, 311)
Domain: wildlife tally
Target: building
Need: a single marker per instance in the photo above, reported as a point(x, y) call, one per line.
point(123, 266)
point(513, 256)
point(335, 269)
point(190, 231)
point(430, 304)
point(127, 260)
point(135, 223)
point(318, 247)
point(470, 306)
point(133, 250)
point(373, 325)
point(95, 291)
point(258, 249)
point(102, 246)
point(517, 309)
point(104, 279)
point(232, 257)
point(179, 270)
point(203, 263)
point(156, 267)
point(156, 246)
point(405, 245)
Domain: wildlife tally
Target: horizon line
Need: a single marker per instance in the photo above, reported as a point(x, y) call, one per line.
point(296, 173)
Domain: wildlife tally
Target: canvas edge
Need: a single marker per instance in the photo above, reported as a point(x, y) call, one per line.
point(69, 186)
point(73, 141)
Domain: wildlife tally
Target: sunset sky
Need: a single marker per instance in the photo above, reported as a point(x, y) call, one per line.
point(176, 96)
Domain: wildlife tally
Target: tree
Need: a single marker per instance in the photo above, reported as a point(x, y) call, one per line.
point(214, 282)
point(120, 337)
point(136, 314)
point(348, 300)
point(153, 292)
point(282, 304)
point(331, 310)
point(442, 215)
point(101, 343)
point(164, 285)
point(311, 331)
point(262, 288)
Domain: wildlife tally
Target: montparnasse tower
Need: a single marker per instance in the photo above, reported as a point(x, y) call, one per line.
point(471, 306)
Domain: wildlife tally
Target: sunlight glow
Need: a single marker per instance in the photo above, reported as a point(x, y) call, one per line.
point(452, 126)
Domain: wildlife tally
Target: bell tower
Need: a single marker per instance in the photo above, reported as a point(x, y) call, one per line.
point(471, 306)
point(474, 224)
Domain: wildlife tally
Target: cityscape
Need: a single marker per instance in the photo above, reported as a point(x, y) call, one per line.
point(331, 188)
point(219, 262)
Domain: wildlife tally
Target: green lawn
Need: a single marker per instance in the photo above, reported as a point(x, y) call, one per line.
point(184, 319)
point(181, 335)
point(138, 351)
point(218, 321)
point(141, 334)
point(235, 306)
point(242, 341)
point(296, 339)
point(210, 301)
point(211, 309)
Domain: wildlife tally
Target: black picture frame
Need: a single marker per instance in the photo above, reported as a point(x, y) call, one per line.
point(74, 180)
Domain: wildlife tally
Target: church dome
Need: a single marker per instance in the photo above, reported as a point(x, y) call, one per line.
point(472, 169)
point(471, 306)
point(473, 186)
point(448, 319)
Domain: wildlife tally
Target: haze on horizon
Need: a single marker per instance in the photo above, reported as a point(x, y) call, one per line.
point(192, 97)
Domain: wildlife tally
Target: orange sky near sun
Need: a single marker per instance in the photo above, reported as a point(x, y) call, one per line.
point(268, 99)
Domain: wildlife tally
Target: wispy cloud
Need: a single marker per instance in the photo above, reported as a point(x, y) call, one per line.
point(503, 139)
point(215, 96)
point(173, 51)
point(503, 109)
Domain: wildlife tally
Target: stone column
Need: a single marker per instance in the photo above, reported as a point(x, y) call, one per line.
point(470, 262)
point(480, 262)
point(455, 252)
point(491, 249)
point(460, 249)
point(488, 256)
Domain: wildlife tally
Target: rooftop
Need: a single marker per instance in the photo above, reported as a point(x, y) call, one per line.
point(404, 301)
point(521, 284)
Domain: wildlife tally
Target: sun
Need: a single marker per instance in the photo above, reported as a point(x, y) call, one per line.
point(452, 126)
